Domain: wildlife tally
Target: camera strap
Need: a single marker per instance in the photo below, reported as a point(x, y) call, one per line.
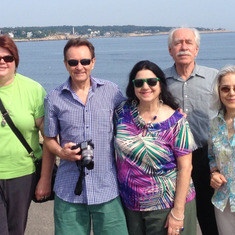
point(78, 188)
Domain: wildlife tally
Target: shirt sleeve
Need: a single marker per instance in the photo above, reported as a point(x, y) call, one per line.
point(39, 103)
point(183, 142)
point(211, 155)
point(50, 120)
point(117, 113)
point(119, 98)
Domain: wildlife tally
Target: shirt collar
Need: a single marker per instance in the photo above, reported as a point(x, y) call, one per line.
point(95, 82)
point(221, 115)
point(197, 71)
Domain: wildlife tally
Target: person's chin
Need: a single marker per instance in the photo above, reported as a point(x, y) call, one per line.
point(184, 60)
point(80, 77)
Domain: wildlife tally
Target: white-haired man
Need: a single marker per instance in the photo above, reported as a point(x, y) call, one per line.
point(191, 84)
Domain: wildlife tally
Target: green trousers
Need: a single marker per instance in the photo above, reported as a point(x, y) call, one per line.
point(75, 219)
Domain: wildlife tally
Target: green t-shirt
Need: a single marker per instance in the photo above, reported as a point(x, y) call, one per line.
point(23, 98)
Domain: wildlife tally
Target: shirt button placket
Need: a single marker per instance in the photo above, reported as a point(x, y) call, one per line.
point(86, 123)
point(185, 97)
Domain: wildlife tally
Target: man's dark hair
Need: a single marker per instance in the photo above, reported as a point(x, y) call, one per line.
point(76, 42)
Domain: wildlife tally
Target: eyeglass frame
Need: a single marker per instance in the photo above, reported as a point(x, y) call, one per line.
point(9, 60)
point(145, 80)
point(82, 61)
point(226, 89)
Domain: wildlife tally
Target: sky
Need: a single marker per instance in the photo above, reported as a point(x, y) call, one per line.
point(212, 14)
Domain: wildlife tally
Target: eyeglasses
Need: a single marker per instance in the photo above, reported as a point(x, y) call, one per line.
point(227, 89)
point(7, 58)
point(150, 81)
point(82, 62)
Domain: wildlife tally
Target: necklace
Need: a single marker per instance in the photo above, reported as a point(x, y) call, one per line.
point(229, 122)
point(143, 123)
point(150, 123)
point(3, 122)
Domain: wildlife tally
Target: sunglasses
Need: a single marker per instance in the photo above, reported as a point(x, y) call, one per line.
point(227, 89)
point(82, 62)
point(7, 58)
point(150, 81)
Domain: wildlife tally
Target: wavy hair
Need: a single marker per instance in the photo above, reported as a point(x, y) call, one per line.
point(172, 31)
point(165, 95)
point(216, 103)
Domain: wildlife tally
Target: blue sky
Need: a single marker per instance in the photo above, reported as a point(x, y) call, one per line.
point(173, 13)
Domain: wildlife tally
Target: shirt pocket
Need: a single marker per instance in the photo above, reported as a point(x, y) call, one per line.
point(104, 120)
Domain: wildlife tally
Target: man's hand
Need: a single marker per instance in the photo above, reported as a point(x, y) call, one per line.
point(66, 153)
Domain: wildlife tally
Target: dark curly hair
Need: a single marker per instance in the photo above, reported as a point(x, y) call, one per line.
point(166, 96)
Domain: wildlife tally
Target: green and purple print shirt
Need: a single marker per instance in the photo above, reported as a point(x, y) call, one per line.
point(146, 158)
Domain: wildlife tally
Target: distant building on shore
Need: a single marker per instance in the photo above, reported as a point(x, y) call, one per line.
point(11, 35)
point(29, 34)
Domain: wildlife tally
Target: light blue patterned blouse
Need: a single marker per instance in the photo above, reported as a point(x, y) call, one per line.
point(222, 155)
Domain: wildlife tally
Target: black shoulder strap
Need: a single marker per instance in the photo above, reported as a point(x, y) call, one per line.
point(7, 117)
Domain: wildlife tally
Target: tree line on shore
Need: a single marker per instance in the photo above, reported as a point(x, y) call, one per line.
point(42, 32)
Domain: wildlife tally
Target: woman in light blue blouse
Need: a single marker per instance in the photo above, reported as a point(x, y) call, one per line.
point(222, 151)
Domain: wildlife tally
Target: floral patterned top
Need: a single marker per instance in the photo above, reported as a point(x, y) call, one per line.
point(222, 155)
point(146, 158)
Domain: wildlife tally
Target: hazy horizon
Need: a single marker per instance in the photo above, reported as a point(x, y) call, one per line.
point(211, 14)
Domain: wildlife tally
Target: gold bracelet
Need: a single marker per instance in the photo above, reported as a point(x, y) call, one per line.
point(176, 217)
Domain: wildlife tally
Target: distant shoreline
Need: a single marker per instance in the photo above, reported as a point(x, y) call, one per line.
point(67, 37)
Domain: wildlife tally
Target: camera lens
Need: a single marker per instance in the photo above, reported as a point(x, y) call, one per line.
point(87, 156)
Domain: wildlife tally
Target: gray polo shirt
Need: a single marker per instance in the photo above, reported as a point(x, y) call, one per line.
point(193, 96)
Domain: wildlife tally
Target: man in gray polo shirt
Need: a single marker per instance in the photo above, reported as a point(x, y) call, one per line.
point(192, 85)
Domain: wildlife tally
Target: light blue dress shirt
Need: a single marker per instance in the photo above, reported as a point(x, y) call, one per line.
point(194, 97)
point(67, 116)
point(221, 152)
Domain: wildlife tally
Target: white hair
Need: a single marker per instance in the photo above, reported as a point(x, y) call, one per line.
point(216, 103)
point(172, 31)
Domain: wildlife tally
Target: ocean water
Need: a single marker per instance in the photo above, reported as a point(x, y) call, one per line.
point(115, 57)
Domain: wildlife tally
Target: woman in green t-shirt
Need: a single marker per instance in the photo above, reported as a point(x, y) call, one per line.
point(23, 99)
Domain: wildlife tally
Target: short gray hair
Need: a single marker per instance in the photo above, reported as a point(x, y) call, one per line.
point(216, 103)
point(172, 31)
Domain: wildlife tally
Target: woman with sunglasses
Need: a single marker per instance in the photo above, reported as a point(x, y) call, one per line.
point(222, 151)
point(153, 148)
point(23, 99)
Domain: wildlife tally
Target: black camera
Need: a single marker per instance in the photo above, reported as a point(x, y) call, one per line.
point(87, 153)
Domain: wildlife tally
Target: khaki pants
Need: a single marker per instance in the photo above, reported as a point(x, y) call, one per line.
point(225, 221)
